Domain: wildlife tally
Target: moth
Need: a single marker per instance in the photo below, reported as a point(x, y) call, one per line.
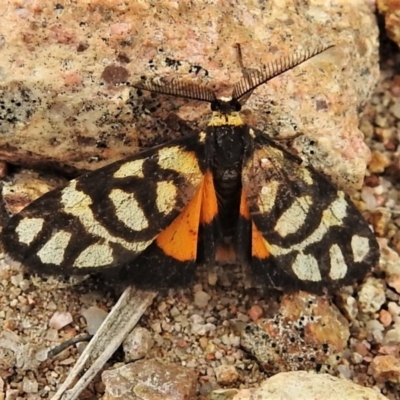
point(155, 216)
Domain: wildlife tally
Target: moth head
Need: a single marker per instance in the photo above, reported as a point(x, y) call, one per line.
point(226, 105)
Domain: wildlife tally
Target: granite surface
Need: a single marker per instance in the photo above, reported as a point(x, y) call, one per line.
point(61, 63)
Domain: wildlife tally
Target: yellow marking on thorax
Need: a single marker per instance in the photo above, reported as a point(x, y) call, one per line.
point(218, 118)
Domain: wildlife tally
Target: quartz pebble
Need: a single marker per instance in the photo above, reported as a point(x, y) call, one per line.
point(137, 344)
point(371, 295)
point(201, 299)
point(60, 319)
point(226, 374)
point(94, 318)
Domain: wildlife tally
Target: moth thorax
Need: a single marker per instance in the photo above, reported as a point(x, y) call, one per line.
point(229, 147)
point(220, 118)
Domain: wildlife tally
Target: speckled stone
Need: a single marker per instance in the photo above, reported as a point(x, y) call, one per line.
point(303, 385)
point(306, 333)
point(137, 344)
point(386, 368)
point(149, 380)
point(371, 295)
point(226, 374)
point(61, 62)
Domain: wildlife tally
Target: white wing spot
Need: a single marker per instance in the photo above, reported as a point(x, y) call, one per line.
point(130, 168)
point(336, 212)
point(28, 228)
point(96, 255)
point(306, 268)
point(294, 217)
point(267, 197)
point(306, 176)
point(360, 247)
point(332, 216)
point(166, 196)
point(78, 204)
point(179, 160)
point(54, 249)
point(338, 264)
point(128, 210)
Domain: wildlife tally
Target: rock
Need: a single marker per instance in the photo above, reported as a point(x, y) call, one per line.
point(395, 108)
point(255, 312)
point(60, 90)
point(223, 394)
point(303, 385)
point(348, 305)
point(379, 161)
point(25, 187)
point(385, 318)
point(390, 259)
point(374, 331)
point(137, 344)
point(60, 319)
point(307, 332)
point(15, 353)
point(150, 380)
point(94, 316)
point(371, 295)
point(226, 374)
point(385, 369)
point(392, 336)
point(30, 384)
point(201, 299)
point(394, 282)
point(391, 12)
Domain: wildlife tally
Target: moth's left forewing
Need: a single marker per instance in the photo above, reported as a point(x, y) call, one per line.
point(306, 234)
point(108, 217)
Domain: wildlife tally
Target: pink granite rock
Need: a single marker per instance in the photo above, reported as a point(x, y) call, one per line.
point(61, 60)
point(305, 333)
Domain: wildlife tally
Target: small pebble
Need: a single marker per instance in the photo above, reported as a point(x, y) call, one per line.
point(371, 296)
point(156, 326)
point(201, 299)
point(94, 316)
point(137, 344)
point(30, 385)
point(393, 308)
point(16, 279)
point(385, 368)
point(385, 318)
point(51, 334)
point(255, 312)
point(356, 358)
point(60, 319)
point(395, 109)
point(392, 336)
point(394, 282)
point(345, 371)
point(226, 374)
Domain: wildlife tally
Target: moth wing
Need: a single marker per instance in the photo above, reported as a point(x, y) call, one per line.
point(107, 217)
point(306, 234)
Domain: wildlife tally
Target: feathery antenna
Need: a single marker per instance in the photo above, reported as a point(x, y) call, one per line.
point(254, 78)
point(242, 90)
point(177, 88)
